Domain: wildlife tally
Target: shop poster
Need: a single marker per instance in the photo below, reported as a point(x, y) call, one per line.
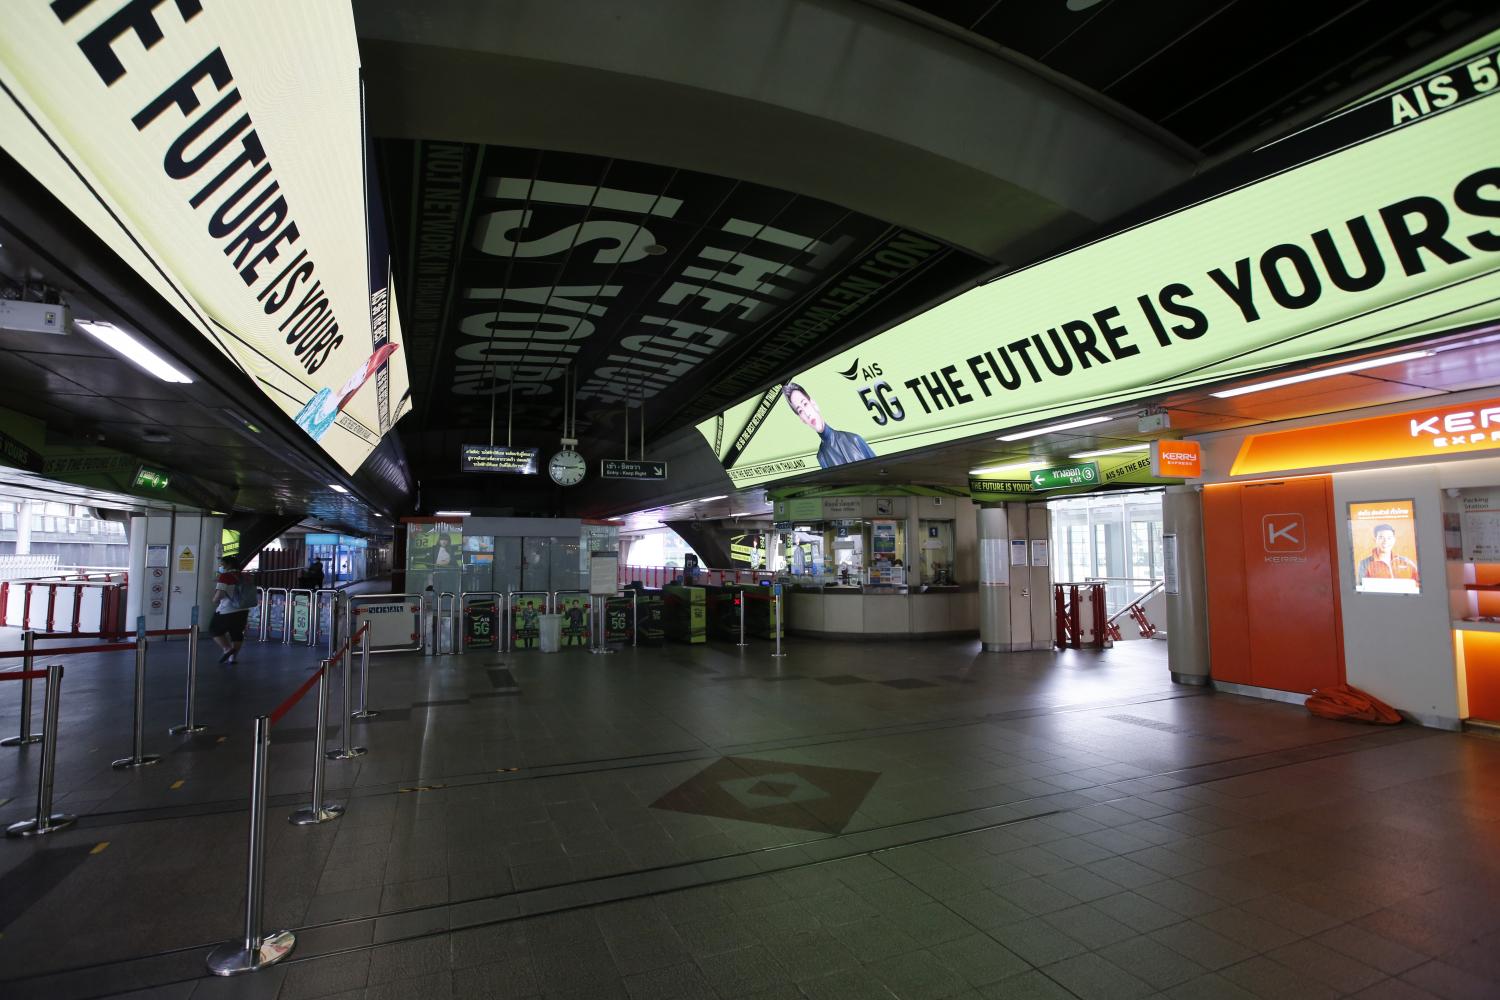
point(1384, 538)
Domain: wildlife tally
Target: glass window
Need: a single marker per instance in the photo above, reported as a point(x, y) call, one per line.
point(935, 544)
point(1115, 539)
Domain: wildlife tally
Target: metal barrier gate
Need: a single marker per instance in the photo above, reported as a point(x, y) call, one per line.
point(481, 620)
point(395, 621)
point(523, 623)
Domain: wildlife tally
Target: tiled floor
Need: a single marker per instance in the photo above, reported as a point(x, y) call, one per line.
point(710, 822)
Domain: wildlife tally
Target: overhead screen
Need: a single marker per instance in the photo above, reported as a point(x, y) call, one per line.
point(1393, 238)
point(218, 148)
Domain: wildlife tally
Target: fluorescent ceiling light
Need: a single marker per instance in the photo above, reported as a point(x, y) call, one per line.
point(137, 353)
point(377, 513)
point(1277, 383)
point(707, 499)
point(990, 469)
point(337, 488)
point(451, 513)
point(1085, 422)
point(1112, 451)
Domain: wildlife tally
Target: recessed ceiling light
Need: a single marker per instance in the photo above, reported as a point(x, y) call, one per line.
point(1112, 451)
point(451, 513)
point(707, 499)
point(1277, 383)
point(337, 488)
point(1038, 432)
point(133, 350)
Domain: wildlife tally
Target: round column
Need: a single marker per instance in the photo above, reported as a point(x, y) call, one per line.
point(1187, 609)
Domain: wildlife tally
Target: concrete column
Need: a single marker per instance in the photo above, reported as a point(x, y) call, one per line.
point(1187, 609)
point(994, 579)
point(23, 529)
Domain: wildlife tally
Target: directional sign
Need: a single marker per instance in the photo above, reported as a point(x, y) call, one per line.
point(625, 468)
point(1083, 474)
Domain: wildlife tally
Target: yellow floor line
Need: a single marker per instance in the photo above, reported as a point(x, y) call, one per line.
point(99, 847)
point(178, 784)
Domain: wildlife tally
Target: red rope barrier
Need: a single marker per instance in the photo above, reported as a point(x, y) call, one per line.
point(21, 675)
point(295, 696)
point(107, 647)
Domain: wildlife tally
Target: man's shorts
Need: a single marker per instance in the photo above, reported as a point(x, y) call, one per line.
point(231, 623)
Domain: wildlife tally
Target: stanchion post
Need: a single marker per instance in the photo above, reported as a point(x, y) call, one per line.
point(46, 821)
point(348, 749)
point(138, 756)
point(255, 950)
point(635, 617)
point(319, 811)
point(364, 677)
point(24, 735)
point(740, 600)
point(189, 724)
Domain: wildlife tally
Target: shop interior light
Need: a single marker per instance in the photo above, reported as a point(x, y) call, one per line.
point(1085, 422)
point(1277, 383)
point(992, 469)
point(337, 488)
point(707, 499)
point(133, 350)
point(451, 513)
point(1143, 446)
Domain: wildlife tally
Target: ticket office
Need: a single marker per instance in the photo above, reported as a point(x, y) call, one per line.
point(1381, 571)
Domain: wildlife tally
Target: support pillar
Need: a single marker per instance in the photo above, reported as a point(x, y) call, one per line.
point(994, 580)
point(1187, 608)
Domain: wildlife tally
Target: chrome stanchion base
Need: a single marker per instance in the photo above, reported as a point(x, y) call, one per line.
point(740, 644)
point(232, 957)
point(777, 655)
point(345, 753)
point(366, 714)
point(126, 762)
point(29, 828)
point(16, 741)
point(184, 729)
point(308, 816)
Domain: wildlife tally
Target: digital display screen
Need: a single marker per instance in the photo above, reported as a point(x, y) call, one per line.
point(218, 149)
point(1338, 253)
point(479, 543)
point(500, 458)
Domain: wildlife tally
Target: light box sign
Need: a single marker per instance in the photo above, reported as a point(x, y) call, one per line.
point(500, 458)
point(151, 479)
point(1383, 536)
point(218, 148)
point(1393, 238)
point(1021, 483)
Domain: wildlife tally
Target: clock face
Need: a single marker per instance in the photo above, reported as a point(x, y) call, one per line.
point(567, 468)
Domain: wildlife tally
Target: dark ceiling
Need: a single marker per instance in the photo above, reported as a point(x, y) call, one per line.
point(1220, 74)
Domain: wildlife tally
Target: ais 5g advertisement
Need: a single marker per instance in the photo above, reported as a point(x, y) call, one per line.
point(218, 148)
point(1394, 237)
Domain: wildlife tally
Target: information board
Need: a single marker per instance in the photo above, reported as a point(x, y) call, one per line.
point(499, 458)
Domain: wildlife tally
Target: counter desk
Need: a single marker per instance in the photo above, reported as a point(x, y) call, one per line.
point(859, 613)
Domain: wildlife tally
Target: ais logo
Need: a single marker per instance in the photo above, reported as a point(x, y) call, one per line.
point(1282, 534)
point(855, 372)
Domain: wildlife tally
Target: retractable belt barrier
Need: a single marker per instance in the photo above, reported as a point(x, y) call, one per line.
point(46, 821)
point(256, 949)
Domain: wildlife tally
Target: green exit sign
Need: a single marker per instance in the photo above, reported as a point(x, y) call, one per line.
point(151, 479)
point(1064, 476)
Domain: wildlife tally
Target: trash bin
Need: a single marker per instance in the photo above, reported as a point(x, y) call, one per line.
point(551, 633)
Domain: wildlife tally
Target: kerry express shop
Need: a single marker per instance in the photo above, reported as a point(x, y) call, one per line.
point(1363, 551)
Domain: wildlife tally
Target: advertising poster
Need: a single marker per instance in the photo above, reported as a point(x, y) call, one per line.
point(1244, 281)
point(1384, 537)
point(480, 620)
point(526, 620)
point(576, 620)
point(432, 556)
point(218, 148)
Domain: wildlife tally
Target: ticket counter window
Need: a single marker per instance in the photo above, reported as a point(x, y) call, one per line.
point(936, 548)
point(848, 547)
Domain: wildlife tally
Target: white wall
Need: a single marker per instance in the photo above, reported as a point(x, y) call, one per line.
point(1399, 647)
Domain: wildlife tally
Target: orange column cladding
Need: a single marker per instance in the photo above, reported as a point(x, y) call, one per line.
point(1273, 585)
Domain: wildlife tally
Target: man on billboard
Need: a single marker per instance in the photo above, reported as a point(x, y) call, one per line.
point(838, 447)
point(1383, 563)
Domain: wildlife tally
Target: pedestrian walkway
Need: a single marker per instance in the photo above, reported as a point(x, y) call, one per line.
point(862, 820)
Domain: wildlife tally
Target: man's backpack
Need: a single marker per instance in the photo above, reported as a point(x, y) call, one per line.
point(245, 595)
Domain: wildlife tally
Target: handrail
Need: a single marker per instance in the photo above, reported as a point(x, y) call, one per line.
point(1160, 585)
point(1120, 579)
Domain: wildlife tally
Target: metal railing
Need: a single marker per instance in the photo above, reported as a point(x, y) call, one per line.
point(1136, 609)
point(367, 608)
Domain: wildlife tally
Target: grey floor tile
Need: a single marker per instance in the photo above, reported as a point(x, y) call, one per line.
point(1091, 977)
point(979, 959)
point(919, 975)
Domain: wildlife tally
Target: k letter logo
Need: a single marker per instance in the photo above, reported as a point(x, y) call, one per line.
point(1283, 533)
